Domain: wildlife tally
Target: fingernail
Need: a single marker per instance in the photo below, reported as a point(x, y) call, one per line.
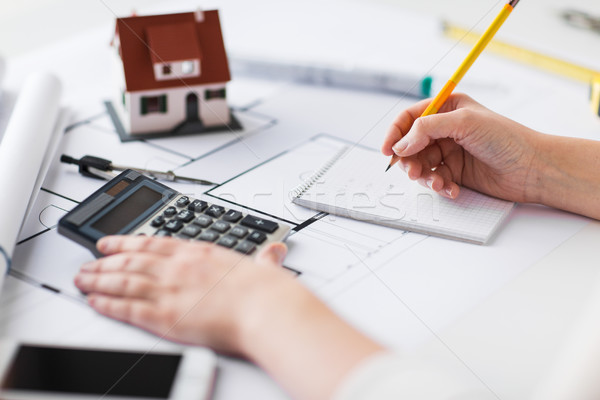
point(82, 279)
point(105, 244)
point(400, 146)
point(280, 252)
point(89, 266)
point(449, 192)
point(430, 183)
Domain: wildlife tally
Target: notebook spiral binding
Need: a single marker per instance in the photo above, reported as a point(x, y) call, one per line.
point(304, 186)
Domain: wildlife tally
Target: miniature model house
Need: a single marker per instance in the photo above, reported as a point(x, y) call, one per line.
point(172, 71)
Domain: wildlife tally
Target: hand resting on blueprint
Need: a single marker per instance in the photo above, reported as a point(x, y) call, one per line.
point(467, 144)
point(150, 281)
point(203, 294)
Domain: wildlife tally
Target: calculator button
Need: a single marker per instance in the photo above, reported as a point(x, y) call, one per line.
point(174, 225)
point(220, 226)
point(232, 216)
point(203, 221)
point(257, 237)
point(239, 232)
point(182, 201)
point(227, 241)
point(162, 233)
point(191, 230)
point(259, 223)
point(170, 211)
point(197, 206)
point(158, 221)
point(185, 215)
point(208, 236)
point(215, 211)
point(246, 247)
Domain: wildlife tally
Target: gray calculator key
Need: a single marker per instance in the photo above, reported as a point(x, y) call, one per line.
point(232, 216)
point(191, 230)
point(182, 201)
point(257, 237)
point(220, 226)
point(197, 206)
point(170, 211)
point(174, 225)
point(215, 211)
point(227, 241)
point(185, 215)
point(208, 236)
point(246, 247)
point(259, 223)
point(239, 232)
point(203, 221)
point(162, 233)
point(158, 221)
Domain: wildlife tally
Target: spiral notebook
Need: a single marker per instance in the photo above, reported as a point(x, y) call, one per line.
point(352, 183)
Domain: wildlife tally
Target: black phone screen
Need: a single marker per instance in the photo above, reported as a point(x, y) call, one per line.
point(96, 372)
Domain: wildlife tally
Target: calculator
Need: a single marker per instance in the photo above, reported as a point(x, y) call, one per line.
point(134, 204)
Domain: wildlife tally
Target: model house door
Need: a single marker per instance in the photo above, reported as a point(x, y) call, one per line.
point(191, 104)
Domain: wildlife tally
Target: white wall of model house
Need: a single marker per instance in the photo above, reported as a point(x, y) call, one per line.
point(212, 112)
point(121, 99)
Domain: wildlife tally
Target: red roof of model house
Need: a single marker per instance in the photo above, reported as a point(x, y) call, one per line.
point(148, 41)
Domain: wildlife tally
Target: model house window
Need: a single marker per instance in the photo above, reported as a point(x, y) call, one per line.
point(215, 94)
point(154, 104)
point(187, 67)
point(167, 69)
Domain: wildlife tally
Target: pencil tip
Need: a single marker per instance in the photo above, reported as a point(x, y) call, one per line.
point(389, 166)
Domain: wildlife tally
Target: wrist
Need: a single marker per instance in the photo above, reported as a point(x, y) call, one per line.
point(567, 177)
point(549, 177)
point(269, 294)
point(289, 332)
point(537, 174)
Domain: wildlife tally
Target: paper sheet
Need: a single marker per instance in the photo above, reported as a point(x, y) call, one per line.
point(23, 154)
point(2, 69)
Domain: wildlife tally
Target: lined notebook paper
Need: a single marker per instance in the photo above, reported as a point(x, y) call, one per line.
point(353, 184)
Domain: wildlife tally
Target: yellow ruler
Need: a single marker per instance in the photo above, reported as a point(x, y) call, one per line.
point(595, 95)
point(529, 57)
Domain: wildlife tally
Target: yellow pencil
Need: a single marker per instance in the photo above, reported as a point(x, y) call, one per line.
point(446, 91)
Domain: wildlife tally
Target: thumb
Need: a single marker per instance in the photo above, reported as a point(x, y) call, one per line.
point(273, 253)
point(425, 130)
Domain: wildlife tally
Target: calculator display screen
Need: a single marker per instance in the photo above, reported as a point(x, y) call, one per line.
point(127, 211)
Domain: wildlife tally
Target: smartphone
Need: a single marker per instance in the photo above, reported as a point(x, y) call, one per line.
point(44, 372)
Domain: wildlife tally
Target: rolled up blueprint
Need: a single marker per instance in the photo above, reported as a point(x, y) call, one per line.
point(2, 67)
point(23, 153)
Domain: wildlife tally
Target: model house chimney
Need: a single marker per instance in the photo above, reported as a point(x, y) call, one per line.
point(199, 15)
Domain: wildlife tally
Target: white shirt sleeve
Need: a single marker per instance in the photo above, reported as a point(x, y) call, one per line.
point(389, 376)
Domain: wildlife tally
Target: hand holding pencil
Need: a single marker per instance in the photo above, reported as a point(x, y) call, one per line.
point(466, 144)
point(446, 91)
